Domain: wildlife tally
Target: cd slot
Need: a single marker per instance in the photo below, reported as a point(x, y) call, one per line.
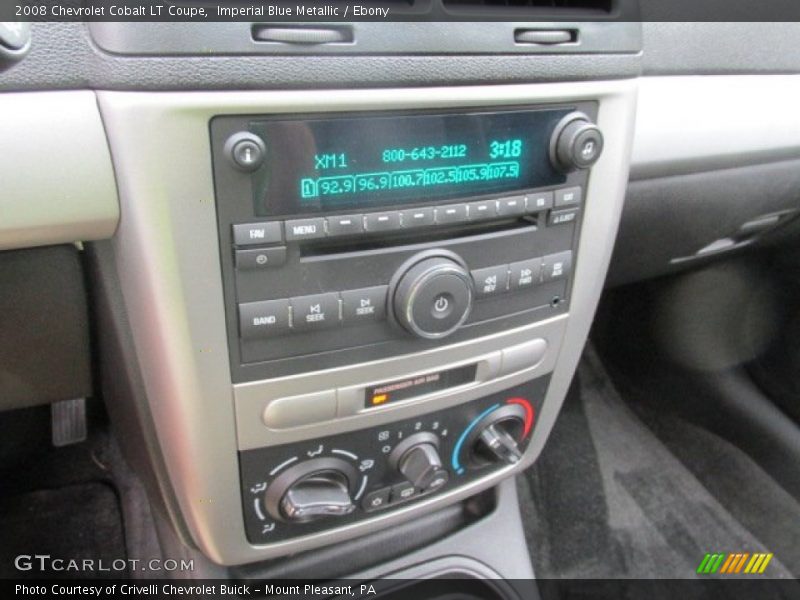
point(366, 243)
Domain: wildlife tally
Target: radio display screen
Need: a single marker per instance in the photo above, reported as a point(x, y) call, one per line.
point(362, 163)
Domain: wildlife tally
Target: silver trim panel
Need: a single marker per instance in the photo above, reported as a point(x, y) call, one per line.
point(58, 182)
point(690, 124)
point(168, 257)
point(253, 399)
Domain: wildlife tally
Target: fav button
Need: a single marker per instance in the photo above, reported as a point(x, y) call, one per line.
point(491, 281)
point(367, 304)
point(248, 234)
point(320, 311)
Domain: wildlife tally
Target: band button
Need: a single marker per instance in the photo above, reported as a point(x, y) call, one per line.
point(263, 319)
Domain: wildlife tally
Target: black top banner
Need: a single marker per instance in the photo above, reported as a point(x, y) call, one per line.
point(203, 11)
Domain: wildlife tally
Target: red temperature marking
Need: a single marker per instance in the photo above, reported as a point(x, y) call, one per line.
point(528, 413)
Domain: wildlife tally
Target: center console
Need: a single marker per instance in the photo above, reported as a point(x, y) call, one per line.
point(350, 238)
point(356, 307)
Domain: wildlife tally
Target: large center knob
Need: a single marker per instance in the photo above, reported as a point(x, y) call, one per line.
point(433, 297)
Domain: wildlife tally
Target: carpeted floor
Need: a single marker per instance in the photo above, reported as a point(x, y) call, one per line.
point(76, 502)
point(618, 496)
point(80, 522)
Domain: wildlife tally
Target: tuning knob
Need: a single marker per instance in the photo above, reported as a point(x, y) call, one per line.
point(576, 143)
point(496, 437)
point(317, 488)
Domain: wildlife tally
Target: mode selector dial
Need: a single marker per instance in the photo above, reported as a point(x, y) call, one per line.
point(323, 494)
point(432, 296)
point(322, 487)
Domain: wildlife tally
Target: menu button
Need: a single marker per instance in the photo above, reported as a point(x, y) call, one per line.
point(305, 229)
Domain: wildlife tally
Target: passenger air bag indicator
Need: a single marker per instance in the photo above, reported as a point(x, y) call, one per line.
point(403, 389)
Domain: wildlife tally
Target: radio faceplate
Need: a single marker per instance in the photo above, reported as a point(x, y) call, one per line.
point(317, 279)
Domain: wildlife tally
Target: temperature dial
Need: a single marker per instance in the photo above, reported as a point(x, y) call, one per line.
point(495, 439)
point(496, 436)
point(317, 488)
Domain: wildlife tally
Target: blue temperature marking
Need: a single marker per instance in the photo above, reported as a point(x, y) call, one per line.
point(456, 464)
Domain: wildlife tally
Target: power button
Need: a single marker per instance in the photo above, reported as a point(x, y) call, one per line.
point(434, 297)
point(442, 306)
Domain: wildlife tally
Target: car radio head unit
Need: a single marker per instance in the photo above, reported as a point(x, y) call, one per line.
point(363, 163)
point(350, 237)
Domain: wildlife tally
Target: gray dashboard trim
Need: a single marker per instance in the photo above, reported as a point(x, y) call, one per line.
point(396, 37)
point(715, 48)
point(168, 258)
point(58, 182)
point(692, 124)
point(63, 56)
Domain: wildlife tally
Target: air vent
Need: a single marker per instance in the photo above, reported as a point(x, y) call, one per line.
point(548, 6)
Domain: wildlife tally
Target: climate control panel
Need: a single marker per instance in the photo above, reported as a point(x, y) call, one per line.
point(302, 488)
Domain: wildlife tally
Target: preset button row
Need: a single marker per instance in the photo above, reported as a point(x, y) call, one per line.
point(274, 232)
point(268, 318)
